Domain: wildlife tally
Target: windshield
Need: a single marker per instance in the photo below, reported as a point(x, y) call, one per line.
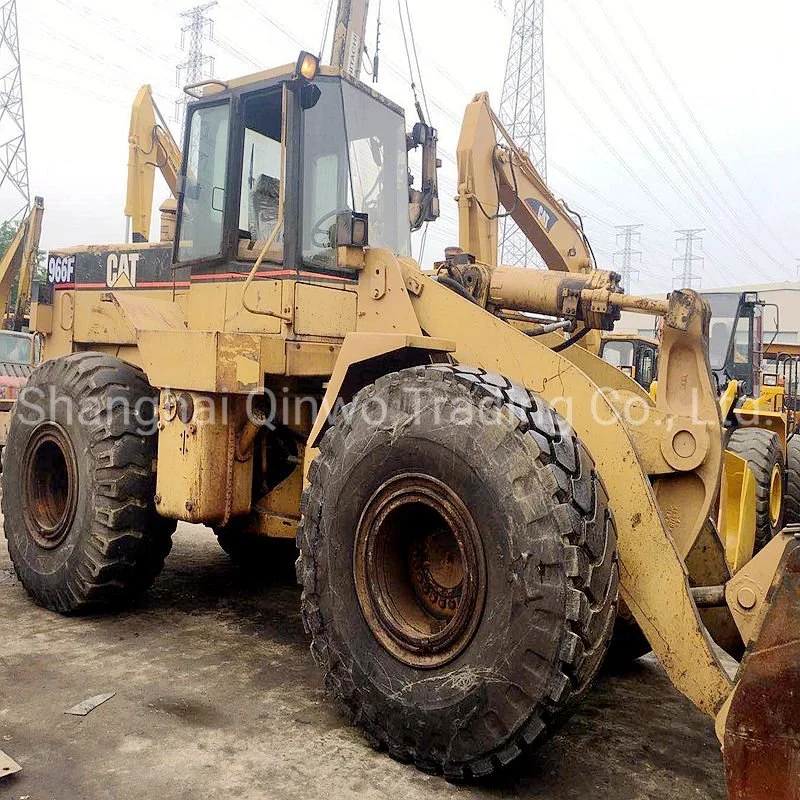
point(15, 349)
point(354, 160)
point(618, 354)
point(724, 308)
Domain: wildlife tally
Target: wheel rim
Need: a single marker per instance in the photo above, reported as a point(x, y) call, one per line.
point(776, 495)
point(419, 570)
point(50, 485)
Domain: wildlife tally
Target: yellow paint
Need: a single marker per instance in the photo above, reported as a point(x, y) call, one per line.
point(737, 511)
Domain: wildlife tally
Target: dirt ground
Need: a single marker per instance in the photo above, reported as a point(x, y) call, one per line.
point(217, 697)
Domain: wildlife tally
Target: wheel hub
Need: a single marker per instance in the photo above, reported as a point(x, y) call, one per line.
point(50, 485)
point(775, 495)
point(437, 573)
point(419, 570)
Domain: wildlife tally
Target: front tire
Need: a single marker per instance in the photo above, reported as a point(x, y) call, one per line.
point(78, 485)
point(764, 454)
point(459, 567)
point(793, 482)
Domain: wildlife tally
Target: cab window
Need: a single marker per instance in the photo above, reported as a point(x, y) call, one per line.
point(354, 159)
point(262, 168)
point(618, 354)
point(202, 218)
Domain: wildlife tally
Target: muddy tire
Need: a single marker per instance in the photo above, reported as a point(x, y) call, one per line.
point(459, 568)
point(793, 482)
point(78, 485)
point(764, 454)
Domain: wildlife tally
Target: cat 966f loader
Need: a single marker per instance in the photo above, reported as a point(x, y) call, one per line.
point(471, 500)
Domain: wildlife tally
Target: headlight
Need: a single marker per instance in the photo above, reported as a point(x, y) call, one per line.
point(307, 66)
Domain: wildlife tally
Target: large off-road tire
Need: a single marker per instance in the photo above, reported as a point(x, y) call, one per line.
point(79, 482)
point(764, 454)
point(793, 482)
point(459, 567)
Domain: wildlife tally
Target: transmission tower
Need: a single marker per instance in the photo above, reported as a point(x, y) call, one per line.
point(630, 236)
point(198, 28)
point(522, 112)
point(13, 146)
point(688, 278)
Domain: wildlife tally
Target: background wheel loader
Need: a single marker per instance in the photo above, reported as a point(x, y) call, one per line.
point(19, 350)
point(478, 497)
point(758, 390)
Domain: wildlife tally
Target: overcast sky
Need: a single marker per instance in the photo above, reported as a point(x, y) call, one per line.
point(675, 115)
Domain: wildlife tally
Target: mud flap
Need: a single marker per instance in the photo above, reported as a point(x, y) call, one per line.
point(762, 732)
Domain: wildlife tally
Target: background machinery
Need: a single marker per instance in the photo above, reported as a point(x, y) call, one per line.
point(19, 351)
point(18, 268)
point(758, 399)
point(480, 490)
point(150, 147)
point(635, 355)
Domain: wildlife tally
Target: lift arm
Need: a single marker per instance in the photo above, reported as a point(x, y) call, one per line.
point(17, 266)
point(150, 145)
point(496, 175)
point(348, 37)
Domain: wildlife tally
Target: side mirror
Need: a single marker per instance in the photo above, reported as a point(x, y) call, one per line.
point(309, 96)
point(352, 229)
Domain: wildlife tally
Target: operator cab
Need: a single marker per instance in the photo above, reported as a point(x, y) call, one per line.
point(736, 338)
point(323, 161)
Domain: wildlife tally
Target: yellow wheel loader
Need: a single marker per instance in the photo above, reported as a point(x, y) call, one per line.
point(758, 401)
point(471, 500)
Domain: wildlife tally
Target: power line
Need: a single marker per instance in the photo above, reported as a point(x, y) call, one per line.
point(676, 154)
point(688, 278)
point(13, 142)
point(233, 50)
point(702, 132)
point(673, 154)
point(522, 111)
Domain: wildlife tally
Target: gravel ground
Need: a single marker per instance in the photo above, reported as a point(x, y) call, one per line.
point(217, 697)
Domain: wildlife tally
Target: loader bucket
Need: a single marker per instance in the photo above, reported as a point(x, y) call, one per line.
point(761, 745)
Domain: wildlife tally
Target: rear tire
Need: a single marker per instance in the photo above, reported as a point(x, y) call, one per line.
point(793, 482)
point(763, 451)
point(459, 568)
point(78, 485)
